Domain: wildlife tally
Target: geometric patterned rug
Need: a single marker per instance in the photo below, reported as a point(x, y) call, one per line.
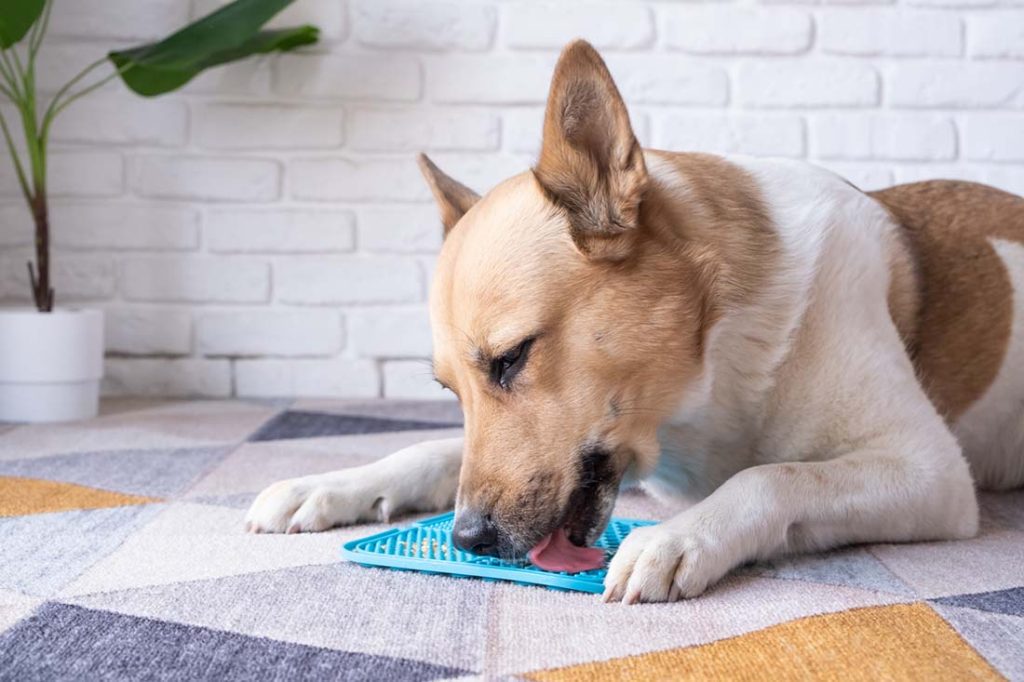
point(123, 556)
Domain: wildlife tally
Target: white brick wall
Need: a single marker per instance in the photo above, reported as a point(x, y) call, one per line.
point(265, 232)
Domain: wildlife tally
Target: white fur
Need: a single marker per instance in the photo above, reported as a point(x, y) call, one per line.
point(807, 430)
point(422, 477)
point(823, 436)
point(992, 429)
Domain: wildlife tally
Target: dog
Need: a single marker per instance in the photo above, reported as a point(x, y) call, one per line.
point(808, 364)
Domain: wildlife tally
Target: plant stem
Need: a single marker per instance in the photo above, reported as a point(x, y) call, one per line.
point(8, 73)
point(38, 33)
point(82, 93)
point(51, 110)
point(19, 169)
point(41, 289)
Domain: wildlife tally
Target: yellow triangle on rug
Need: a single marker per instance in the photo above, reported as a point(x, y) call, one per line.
point(896, 642)
point(23, 496)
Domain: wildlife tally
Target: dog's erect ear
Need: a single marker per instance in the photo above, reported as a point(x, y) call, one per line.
point(590, 162)
point(453, 198)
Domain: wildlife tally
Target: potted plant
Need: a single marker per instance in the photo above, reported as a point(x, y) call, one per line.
point(51, 358)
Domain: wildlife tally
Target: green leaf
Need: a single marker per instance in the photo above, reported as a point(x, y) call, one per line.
point(16, 18)
point(229, 34)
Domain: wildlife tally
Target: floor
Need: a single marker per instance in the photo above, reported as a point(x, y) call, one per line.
point(122, 556)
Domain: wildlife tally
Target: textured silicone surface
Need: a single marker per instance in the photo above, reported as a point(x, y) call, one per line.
point(427, 546)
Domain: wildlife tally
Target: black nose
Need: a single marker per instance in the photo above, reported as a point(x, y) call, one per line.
point(475, 532)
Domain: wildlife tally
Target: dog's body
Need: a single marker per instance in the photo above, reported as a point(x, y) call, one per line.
point(809, 364)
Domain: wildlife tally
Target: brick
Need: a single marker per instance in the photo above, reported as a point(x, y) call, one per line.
point(654, 79)
point(953, 3)
point(952, 84)
point(123, 120)
point(734, 134)
point(552, 25)
point(522, 129)
point(424, 25)
point(83, 174)
point(75, 277)
point(414, 229)
point(269, 332)
point(327, 15)
point(348, 76)
point(84, 278)
point(996, 34)
point(195, 280)
point(251, 126)
point(736, 30)
point(384, 130)
point(412, 379)
point(60, 61)
point(111, 226)
point(482, 172)
point(1007, 178)
point(930, 171)
point(347, 180)
point(390, 332)
point(429, 265)
point(247, 77)
point(177, 378)
point(148, 331)
point(866, 176)
point(17, 229)
point(898, 137)
point(196, 177)
point(279, 231)
point(352, 279)
point(994, 137)
point(490, 79)
point(307, 378)
point(806, 84)
point(898, 34)
point(118, 19)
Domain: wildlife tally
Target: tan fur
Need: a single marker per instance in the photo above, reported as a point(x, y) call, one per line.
point(961, 330)
point(727, 316)
point(590, 163)
point(611, 361)
point(722, 224)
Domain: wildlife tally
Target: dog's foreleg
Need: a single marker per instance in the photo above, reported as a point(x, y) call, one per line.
point(869, 495)
point(423, 477)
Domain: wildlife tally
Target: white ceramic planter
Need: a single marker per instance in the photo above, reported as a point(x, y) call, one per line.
point(50, 364)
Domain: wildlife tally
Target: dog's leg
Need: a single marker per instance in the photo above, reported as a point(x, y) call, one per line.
point(873, 494)
point(423, 477)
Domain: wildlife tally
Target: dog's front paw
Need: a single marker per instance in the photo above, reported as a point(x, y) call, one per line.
point(314, 503)
point(663, 563)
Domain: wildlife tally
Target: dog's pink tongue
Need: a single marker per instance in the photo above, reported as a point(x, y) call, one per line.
point(557, 553)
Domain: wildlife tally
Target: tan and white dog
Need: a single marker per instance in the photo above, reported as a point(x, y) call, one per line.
point(816, 365)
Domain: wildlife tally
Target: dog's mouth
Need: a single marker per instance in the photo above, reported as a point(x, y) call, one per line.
point(567, 548)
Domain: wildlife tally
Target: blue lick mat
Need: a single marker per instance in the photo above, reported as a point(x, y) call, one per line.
point(427, 546)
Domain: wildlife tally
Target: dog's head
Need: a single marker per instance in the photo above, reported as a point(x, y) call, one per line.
point(562, 322)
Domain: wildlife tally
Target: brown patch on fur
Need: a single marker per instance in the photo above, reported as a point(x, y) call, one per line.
point(959, 335)
point(725, 227)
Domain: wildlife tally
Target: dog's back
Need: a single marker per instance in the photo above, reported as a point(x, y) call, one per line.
point(958, 301)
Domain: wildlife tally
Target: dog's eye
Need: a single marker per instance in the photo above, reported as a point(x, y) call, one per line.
point(505, 367)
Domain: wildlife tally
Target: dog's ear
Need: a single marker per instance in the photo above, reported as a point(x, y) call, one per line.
point(453, 198)
point(590, 162)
